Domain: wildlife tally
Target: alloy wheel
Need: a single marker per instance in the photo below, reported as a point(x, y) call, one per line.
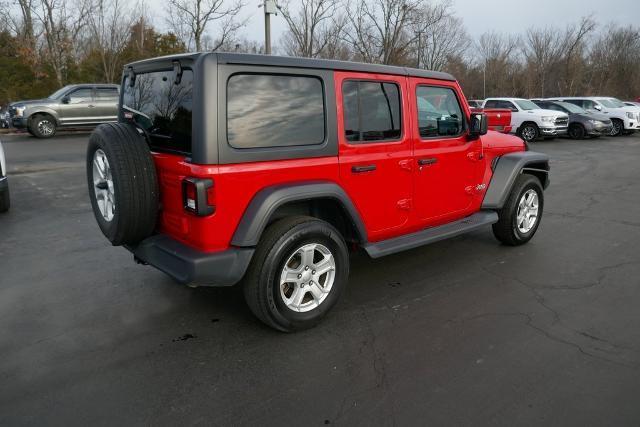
point(307, 277)
point(103, 185)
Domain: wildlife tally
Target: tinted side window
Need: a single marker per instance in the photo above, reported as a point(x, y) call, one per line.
point(274, 111)
point(80, 95)
point(107, 94)
point(372, 111)
point(439, 113)
point(162, 108)
point(491, 104)
point(578, 102)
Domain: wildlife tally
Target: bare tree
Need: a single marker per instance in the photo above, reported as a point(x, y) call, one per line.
point(61, 22)
point(379, 30)
point(574, 47)
point(388, 31)
point(110, 22)
point(189, 19)
point(314, 30)
point(542, 48)
point(498, 62)
point(444, 39)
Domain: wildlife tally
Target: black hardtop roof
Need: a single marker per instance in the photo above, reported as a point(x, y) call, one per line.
point(296, 62)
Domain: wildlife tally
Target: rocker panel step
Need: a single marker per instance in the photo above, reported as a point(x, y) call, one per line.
point(431, 235)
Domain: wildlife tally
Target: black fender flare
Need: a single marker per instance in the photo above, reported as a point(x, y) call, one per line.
point(269, 199)
point(506, 170)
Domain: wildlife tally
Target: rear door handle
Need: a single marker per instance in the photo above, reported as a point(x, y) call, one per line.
point(362, 169)
point(425, 162)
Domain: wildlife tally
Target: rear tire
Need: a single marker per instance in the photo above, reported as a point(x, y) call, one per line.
point(122, 181)
point(577, 131)
point(511, 228)
point(42, 126)
point(284, 267)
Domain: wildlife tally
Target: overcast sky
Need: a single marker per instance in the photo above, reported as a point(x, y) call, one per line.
point(511, 16)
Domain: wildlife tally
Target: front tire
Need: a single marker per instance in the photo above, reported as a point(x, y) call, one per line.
point(297, 273)
point(520, 217)
point(42, 126)
point(577, 131)
point(529, 132)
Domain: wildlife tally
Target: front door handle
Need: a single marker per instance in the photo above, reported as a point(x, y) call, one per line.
point(426, 162)
point(362, 169)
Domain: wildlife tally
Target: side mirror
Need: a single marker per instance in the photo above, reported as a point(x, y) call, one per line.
point(66, 99)
point(479, 125)
point(597, 107)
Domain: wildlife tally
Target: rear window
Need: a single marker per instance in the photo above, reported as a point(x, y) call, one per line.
point(162, 108)
point(268, 110)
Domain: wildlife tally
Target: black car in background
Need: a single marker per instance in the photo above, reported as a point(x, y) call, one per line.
point(581, 122)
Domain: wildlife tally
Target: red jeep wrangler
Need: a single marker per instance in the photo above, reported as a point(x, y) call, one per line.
point(266, 170)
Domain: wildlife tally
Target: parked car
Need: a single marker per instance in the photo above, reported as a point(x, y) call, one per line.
point(73, 106)
point(277, 166)
point(4, 118)
point(623, 121)
point(529, 121)
point(5, 201)
point(581, 122)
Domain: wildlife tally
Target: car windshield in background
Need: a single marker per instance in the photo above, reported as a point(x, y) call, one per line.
point(58, 94)
point(617, 103)
point(571, 107)
point(526, 104)
point(162, 108)
point(607, 103)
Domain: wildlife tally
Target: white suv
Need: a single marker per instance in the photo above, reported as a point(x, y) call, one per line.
point(4, 183)
point(625, 119)
point(528, 120)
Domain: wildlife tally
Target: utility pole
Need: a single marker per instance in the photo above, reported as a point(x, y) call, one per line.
point(270, 8)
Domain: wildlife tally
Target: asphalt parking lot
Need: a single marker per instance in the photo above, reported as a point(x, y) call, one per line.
point(463, 332)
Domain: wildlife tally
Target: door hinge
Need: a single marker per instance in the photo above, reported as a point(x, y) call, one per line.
point(405, 164)
point(404, 204)
point(476, 189)
point(475, 156)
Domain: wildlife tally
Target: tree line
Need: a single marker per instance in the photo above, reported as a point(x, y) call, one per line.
point(45, 44)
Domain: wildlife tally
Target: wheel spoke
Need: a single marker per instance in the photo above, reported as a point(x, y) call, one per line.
point(290, 276)
point(96, 161)
point(298, 296)
point(307, 255)
point(325, 265)
point(317, 292)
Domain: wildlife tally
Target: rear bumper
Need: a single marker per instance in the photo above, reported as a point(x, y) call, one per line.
point(190, 266)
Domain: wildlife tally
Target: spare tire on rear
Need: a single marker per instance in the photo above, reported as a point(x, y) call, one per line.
point(123, 186)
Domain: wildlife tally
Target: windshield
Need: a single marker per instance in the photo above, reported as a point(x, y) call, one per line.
point(617, 103)
point(526, 105)
point(607, 103)
point(571, 108)
point(57, 94)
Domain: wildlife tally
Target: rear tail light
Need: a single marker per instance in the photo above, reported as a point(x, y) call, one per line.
point(198, 196)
